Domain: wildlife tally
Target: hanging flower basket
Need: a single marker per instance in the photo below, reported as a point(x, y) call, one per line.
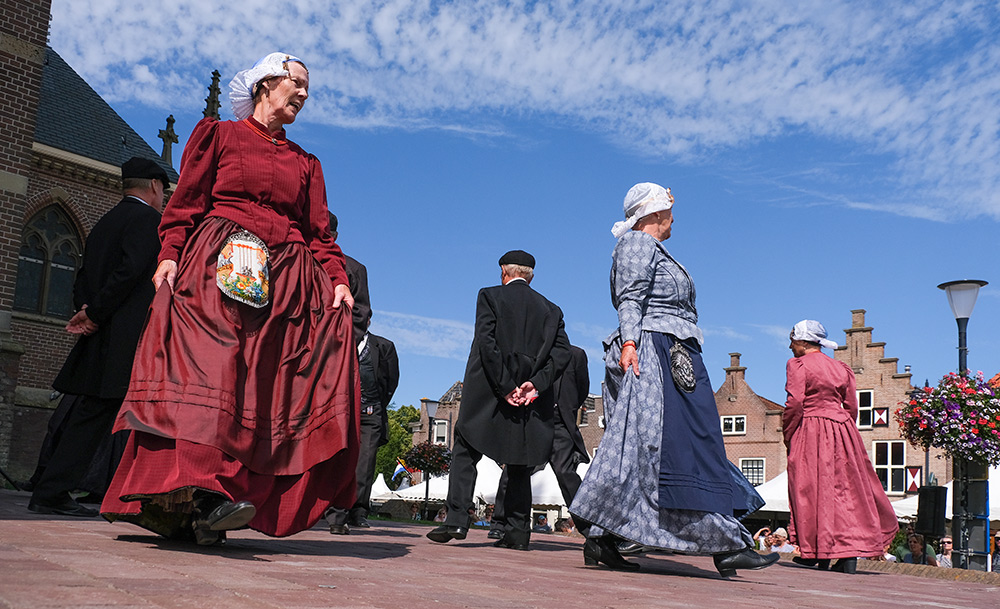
point(432, 459)
point(960, 416)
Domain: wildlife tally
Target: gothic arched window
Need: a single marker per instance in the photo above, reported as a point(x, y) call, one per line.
point(50, 256)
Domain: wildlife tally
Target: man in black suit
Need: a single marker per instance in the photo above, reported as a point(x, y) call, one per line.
point(568, 450)
point(112, 292)
point(519, 349)
point(378, 366)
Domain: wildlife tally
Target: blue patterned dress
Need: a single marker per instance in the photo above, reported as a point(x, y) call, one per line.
point(660, 476)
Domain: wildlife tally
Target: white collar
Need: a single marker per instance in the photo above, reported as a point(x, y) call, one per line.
point(139, 199)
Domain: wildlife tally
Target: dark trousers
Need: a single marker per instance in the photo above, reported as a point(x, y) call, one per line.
point(87, 425)
point(564, 460)
point(371, 433)
point(462, 485)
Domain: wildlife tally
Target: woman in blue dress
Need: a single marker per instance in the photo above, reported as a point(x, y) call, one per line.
point(660, 477)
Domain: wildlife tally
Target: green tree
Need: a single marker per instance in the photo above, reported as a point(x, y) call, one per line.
point(400, 441)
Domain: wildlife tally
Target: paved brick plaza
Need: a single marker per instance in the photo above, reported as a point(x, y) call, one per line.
point(50, 561)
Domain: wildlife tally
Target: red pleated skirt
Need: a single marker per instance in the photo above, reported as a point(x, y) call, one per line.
point(257, 404)
point(838, 507)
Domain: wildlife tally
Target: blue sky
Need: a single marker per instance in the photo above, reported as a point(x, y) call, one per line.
point(827, 157)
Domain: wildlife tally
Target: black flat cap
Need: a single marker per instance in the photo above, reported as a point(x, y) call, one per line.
point(138, 167)
point(518, 257)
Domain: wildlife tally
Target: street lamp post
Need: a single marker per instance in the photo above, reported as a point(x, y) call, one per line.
point(430, 407)
point(970, 498)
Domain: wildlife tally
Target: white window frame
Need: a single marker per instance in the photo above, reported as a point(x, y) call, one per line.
point(440, 431)
point(889, 467)
point(763, 469)
point(870, 409)
point(734, 418)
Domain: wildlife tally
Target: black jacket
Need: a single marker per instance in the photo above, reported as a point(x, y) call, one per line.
point(572, 388)
point(519, 336)
point(386, 364)
point(115, 283)
point(361, 312)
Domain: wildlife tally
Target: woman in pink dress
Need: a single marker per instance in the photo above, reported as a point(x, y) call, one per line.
point(838, 507)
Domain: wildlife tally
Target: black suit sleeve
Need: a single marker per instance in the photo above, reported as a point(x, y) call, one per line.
point(361, 312)
point(136, 258)
point(388, 370)
point(582, 377)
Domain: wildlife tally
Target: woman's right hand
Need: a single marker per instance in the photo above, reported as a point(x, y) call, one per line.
point(165, 271)
point(629, 358)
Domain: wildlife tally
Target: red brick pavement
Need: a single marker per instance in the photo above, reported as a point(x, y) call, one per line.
point(49, 561)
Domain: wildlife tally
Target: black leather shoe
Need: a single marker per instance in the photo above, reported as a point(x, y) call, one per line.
point(503, 543)
point(822, 563)
point(228, 515)
point(67, 507)
point(604, 550)
point(846, 565)
point(447, 532)
point(631, 548)
point(360, 522)
point(495, 534)
point(728, 563)
point(340, 529)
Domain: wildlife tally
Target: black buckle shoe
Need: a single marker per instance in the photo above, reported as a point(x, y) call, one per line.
point(604, 550)
point(631, 548)
point(495, 534)
point(728, 563)
point(822, 563)
point(447, 532)
point(505, 543)
point(227, 516)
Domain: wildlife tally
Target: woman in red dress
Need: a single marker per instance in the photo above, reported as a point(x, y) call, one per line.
point(838, 507)
point(244, 394)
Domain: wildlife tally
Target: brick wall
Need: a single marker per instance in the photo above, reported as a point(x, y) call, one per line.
point(889, 387)
point(762, 437)
point(590, 419)
point(24, 26)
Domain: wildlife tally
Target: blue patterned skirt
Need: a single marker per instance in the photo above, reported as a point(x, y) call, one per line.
point(670, 489)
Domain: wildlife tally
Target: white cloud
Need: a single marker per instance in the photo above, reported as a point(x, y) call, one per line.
point(429, 336)
point(915, 83)
point(725, 332)
point(778, 333)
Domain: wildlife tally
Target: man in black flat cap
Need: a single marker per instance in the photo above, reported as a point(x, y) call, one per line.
point(112, 292)
point(519, 349)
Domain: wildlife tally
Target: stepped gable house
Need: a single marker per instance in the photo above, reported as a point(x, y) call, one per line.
point(751, 424)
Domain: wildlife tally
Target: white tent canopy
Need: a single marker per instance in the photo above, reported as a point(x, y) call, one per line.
point(774, 492)
point(544, 486)
point(379, 487)
point(488, 477)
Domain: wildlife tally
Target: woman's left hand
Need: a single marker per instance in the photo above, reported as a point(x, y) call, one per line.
point(342, 293)
point(629, 358)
